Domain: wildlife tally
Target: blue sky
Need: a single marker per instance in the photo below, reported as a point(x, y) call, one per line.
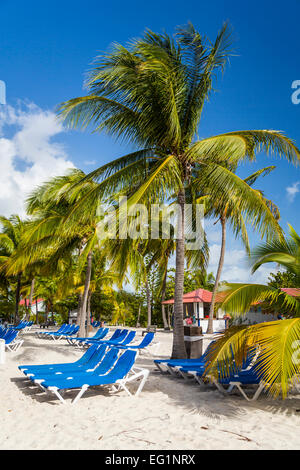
point(45, 51)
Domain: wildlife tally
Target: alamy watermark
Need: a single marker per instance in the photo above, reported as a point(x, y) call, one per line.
point(295, 97)
point(2, 92)
point(157, 221)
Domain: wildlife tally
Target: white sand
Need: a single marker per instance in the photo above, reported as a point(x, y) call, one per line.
point(169, 413)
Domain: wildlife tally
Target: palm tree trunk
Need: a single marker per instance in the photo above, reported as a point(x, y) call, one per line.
point(47, 311)
point(163, 296)
point(51, 309)
point(88, 313)
point(169, 319)
point(148, 303)
point(18, 289)
point(82, 331)
point(36, 312)
point(179, 351)
point(31, 296)
point(138, 318)
point(210, 328)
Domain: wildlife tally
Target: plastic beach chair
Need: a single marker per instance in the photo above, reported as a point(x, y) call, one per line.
point(122, 373)
point(100, 360)
point(91, 355)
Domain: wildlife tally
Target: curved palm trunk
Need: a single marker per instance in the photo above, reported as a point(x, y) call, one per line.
point(138, 318)
point(88, 313)
point(31, 297)
point(149, 307)
point(179, 351)
point(163, 296)
point(219, 271)
point(82, 331)
point(36, 312)
point(18, 289)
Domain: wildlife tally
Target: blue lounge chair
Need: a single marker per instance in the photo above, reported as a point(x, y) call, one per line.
point(120, 374)
point(63, 328)
point(118, 335)
point(100, 361)
point(27, 368)
point(12, 343)
point(198, 370)
point(100, 334)
point(70, 331)
point(122, 341)
point(143, 345)
point(240, 379)
point(173, 365)
point(73, 331)
point(20, 326)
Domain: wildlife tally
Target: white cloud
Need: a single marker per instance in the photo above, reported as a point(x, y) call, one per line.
point(236, 267)
point(292, 191)
point(28, 154)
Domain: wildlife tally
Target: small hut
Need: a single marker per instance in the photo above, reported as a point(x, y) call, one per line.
point(196, 307)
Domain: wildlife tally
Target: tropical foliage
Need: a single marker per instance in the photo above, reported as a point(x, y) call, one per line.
point(152, 94)
point(277, 342)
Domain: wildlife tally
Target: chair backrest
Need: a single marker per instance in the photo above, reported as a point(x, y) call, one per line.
point(107, 362)
point(116, 334)
point(74, 329)
point(129, 337)
point(87, 354)
point(122, 366)
point(10, 333)
point(104, 332)
point(96, 356)
point(146, 340)
point(68, 329)
point(98, 334)
point(62, 328)
point(10, 337)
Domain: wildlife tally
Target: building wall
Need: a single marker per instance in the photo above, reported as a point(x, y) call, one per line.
point(254, 315)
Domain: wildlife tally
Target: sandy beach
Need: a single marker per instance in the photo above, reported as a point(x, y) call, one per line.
point(169, 413)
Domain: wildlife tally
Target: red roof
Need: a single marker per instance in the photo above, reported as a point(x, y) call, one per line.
point(22, 302)
point(198, 295)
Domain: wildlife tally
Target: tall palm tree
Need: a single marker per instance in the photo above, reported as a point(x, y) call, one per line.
point(152, 94)
point(10, 239)
point(51, 241)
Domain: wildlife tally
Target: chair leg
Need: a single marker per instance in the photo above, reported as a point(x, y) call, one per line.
point(199, 380)
point(56, 392)
point(243, 393)
point(219, 386)
point(170, 369)
point(183, 374)
point(143, 381)
point(82, 390)
point(160, 368)
point(258, 391)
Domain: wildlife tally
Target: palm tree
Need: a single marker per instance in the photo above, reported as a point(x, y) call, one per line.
point(278, 341)
point(50, 240)
point(152, 94)
point(100, 278)
point(10, 239)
